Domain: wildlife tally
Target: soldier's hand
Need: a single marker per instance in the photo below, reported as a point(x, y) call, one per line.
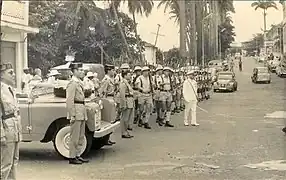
point(72, 119)
point(3, 141)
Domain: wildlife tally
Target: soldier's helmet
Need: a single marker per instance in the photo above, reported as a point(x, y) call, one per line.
point(137, 68)
point(159, 67)
point(145, 68)
point(124, 66)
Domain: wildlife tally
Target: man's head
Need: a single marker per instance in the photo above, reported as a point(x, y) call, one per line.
point(126, 75)
point(145, 71)
point(124, 67)
point(90, 75)
point(159, 70)
point(191, 74)
point(26, 70)
point(7, 74)
point(167, 71)
point(109, 70)
point(77, 70)
point(137, 70)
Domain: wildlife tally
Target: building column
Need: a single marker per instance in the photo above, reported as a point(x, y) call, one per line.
point(25, 51)
point(19, 65)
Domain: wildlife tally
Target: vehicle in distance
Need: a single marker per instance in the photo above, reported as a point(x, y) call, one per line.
point(225, 82)
point(261, 74)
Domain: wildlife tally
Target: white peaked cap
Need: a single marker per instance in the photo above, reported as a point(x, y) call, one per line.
point(89, 74)
point(145, 68)
point(54, 72)
point(124, 66)
point(137, 68)
point(159, 67)
point(95, 74)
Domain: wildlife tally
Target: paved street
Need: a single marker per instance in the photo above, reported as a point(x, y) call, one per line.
point(233, 134)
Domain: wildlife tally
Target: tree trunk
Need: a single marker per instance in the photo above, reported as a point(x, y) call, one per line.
point(192, 24)
point(265, 37)
point(216, 18)
point(182, 28)
point(120, 29)
point(199, 29)
point(137, 38)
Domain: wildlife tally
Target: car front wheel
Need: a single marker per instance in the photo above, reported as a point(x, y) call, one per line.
point(62, 140)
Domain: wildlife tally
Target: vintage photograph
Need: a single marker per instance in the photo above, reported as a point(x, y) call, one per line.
point(143, 89)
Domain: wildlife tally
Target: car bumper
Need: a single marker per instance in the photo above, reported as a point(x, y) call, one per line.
point(106, 129)
point(263, 80)
point(227, 88)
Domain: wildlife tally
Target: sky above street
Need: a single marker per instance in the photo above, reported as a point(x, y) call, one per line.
point(246, 20)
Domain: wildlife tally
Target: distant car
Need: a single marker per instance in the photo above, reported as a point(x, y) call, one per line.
point(281, 70)
point(261, 74)
point(225, 81)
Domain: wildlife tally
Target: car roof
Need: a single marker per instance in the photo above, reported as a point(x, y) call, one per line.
point(261, 67)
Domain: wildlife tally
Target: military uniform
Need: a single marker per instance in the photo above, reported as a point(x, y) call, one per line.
point(158, 80)
point(77, 114)
point(127, 107)
point(166, 97)
point(136, 93)
point(145, 101)
point(10, 130)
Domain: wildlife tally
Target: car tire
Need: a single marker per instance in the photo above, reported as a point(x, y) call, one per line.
point(98, 143)
point(215, 90)
point(61, 142)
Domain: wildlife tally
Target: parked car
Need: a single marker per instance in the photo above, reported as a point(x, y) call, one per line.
point(261, 74)
point(43, 117)
point(217, 64)
point(225, 81)
point(281, 70)
point(272, 64)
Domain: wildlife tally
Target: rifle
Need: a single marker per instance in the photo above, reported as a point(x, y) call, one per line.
point(151, 85)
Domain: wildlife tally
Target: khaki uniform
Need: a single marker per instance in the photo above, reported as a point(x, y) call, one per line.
point(107, 90)
point(158, 80)
point(166, 97)
point(136, 95)
point(76, 112)
point(145, 100)
point(126, 106)
point(10, 132)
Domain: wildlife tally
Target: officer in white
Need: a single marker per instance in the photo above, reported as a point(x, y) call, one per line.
point(10, 124)
point(88, 81)
point(53, 76)
point(190, 95)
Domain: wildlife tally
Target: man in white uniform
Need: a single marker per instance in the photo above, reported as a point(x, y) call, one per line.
point(190, 88)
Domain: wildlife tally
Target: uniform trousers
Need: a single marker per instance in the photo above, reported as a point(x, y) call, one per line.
point(127, 116)
point(145, 102)
point(9, 160)
point(190, 108)
point(77, 133)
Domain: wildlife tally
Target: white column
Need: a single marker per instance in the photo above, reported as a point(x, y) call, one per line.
point(19, 64)
point(25, 51)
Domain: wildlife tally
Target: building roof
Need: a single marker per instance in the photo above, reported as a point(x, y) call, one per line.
point(149, 45)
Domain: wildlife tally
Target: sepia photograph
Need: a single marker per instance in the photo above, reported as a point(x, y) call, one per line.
point(143, 89)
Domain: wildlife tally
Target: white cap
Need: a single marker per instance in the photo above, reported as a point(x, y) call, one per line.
point(190, 72)
point(89, 74)
point(167, 68)
point(137, 68)
point(159, 67)
point(54, 72)
point(124, 66)
point(145, 68)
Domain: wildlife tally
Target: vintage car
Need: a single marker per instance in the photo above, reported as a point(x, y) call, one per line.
point(281, 70)
point(225, 81)
point(272, 64)
point(261, 74)
point(43, 117)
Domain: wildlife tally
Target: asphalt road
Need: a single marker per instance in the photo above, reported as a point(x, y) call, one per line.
point(233, 133)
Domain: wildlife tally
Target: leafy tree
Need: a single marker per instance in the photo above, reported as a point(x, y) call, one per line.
point(159, 57)
point(173, 58)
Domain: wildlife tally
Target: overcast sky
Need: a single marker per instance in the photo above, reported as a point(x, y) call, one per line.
point(247, 22)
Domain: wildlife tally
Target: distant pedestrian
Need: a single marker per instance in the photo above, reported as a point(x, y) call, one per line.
point(240, 65)
point(10, 124)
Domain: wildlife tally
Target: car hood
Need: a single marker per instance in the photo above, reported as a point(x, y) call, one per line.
point(221, 81)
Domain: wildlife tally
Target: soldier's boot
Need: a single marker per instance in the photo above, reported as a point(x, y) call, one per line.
point(75, 161)
point(147, 126)
point(140, 123)
point(168, 117)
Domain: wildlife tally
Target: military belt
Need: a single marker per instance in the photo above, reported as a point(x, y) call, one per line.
point(129, 95)
point(8, 116)
point(110, 95)
point(79, 102)
point(145, 92)
point(166, 90)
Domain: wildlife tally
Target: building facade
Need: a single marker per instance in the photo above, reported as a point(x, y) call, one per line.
point(14, 30)
point(150, 54)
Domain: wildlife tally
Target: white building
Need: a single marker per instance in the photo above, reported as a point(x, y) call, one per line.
point(150, 53)
point(14, 29)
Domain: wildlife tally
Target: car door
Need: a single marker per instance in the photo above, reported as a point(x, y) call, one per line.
point(25, 112)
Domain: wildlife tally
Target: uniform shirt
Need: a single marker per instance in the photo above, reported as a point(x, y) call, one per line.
point(96, 83)
point(125, 90)
point(52, 80)
point(107, 86)
point(166, 83)
point(10, 106)
point(143, 83)
point(158, 81)
point(118, 78)
point(190, 89)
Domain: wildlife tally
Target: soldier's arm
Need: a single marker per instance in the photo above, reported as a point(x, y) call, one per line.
point(138, 84)
point(2, 132)
point(71, 88)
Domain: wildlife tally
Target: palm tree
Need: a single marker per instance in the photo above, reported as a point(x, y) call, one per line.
point(141, 7)
point(264, 5)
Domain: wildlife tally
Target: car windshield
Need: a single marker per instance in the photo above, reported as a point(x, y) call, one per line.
point(225, 76)
point(262, 70)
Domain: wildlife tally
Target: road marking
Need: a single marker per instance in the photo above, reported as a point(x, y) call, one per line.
point(278, 165)
point(276, 114)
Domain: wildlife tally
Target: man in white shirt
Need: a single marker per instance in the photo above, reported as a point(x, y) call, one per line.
point(88, 81)
point(190, 95)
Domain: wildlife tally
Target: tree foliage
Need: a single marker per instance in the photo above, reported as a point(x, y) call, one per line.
point(226, 32)
point(159, 57)
point(172, 58)
point(77, 26)
point(254, 44)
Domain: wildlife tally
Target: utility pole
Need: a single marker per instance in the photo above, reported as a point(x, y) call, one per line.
point(157, 34)
point(182, 5)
